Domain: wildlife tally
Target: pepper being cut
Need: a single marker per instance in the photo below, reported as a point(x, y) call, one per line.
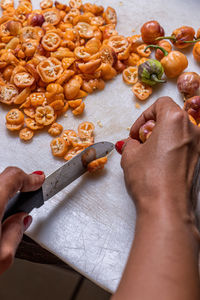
point(181, 37)
point(173, 63)
point(151, 72)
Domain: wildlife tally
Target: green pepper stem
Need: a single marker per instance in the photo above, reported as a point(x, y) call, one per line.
point(157, 47)
point(155, 78)
point(192, 42)
point(166, 38)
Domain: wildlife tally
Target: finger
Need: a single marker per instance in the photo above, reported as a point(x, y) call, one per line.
point(13, 180)
point(129, 149)
point(12, 232)
point(157, 111)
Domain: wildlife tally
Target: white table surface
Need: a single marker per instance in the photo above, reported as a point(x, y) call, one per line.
point(90, 224)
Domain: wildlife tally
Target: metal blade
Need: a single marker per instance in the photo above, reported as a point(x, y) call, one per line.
point(74, 168)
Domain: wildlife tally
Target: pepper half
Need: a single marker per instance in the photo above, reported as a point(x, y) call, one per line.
point(151, 72)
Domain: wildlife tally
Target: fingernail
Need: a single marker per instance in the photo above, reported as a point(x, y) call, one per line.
point(38, 172)
point(118, 146)
point(27, 222)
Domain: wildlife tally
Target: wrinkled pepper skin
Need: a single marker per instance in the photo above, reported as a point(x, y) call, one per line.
point(151, 72)
point(174, 64)
point(181, 37)
point(183, 34)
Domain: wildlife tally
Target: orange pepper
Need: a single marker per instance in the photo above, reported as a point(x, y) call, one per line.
point(196, 51)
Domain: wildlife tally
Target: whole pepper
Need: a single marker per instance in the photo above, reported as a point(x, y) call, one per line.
point(198, 33)
point(192, 106)
point(150, 72)
point(164, 44)
point(196, 51)
point(181, 37)
point(150, 31)
point(188, 83)
point(173, 63)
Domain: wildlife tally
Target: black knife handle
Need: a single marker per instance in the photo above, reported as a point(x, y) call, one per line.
point(24, 202)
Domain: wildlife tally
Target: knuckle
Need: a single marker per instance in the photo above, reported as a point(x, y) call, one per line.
point(13, 171)
point(179, 116)
point(13, 179)
point(6, 259)
point(164, 100)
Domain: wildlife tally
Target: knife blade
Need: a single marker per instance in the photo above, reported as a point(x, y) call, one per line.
point(58, 180)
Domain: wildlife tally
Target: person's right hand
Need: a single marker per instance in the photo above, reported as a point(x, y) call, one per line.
point(159, 173)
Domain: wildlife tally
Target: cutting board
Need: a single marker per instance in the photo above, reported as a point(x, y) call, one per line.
point(90, 224)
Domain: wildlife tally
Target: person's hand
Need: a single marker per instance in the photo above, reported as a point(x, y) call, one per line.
point(159, 175)
point(13, 180)
point(159, 172)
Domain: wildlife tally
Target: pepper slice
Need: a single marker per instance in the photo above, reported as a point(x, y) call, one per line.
point(50, 69)
point(130, 75)
point(44, 115)
point(118, 42)
point(13, 127)
point(23, 79)
point(69, 136)
point(85, 129)
point(110, 16)
point(141, 91)
point(81, 53)
point(15, 117)
point(52, 16)
point(73, 152)
point(37, 99)
point(28, 33)
point(5, 4)
point(8, 93)
point(143, 51)
point(26, 134)
point(32, 124)
point(51, 41)
point(97, 164)
point(75, 3)
point(85, 30)
point(55, 129)
point(30, 112)
point(59, 147)
point(108, 55)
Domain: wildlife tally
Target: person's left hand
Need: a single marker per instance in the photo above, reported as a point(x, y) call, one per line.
point(12, 180)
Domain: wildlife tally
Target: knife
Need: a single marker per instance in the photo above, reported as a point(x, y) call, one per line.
point(58, 180)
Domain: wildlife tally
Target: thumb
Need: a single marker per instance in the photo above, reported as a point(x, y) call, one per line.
point(13, 229)
point(129, 149)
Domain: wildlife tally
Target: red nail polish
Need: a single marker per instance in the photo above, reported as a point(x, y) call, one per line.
point(118, 146)
point(27, 222)
point(38, 172)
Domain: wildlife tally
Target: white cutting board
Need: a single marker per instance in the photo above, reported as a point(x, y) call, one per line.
point(90, 224)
